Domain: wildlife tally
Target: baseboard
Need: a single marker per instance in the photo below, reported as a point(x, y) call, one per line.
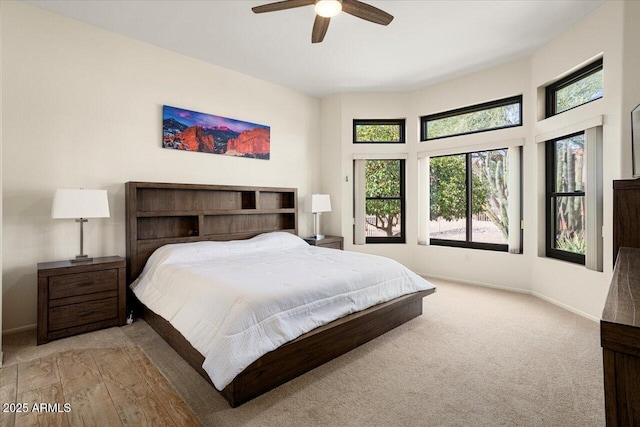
point(20, 329)
point(565, 306)
point(517, 290)
point(475, 283)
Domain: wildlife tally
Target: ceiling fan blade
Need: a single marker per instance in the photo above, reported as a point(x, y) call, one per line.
point(320, 27)
point(366, 12)
point(281, 5)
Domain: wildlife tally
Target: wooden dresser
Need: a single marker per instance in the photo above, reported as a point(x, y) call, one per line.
point(626, 214)
point(79, 297)
point(620, 338)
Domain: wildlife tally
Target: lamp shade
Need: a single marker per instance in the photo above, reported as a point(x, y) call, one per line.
point(80, 203)
point(317, 203)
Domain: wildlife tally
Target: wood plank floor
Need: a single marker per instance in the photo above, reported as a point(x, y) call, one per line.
point(90, 387)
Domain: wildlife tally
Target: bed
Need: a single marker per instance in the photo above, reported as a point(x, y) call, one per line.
point(163, 215)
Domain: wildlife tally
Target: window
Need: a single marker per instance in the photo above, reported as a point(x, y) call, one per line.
point(566, 173)
point(573, 206)
point(384, 201)
point(500, 114)
point(468, 195)
point(579, 88)
point(379, 131)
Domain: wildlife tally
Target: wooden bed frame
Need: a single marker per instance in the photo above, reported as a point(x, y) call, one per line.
point(160, 214)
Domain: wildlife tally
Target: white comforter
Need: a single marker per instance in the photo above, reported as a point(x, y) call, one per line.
point(236, 301)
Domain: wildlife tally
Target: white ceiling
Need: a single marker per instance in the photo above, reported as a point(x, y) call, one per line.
point(427, 42)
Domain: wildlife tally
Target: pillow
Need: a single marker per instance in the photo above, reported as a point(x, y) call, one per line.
point(202, 251)
point(276, 240)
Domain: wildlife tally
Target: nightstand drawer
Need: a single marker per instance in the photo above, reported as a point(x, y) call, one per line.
point(69, 285)
point(331, 242)
point(79, 314)
point(332, 245)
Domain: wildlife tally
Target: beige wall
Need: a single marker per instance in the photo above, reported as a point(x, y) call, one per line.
point(612, 31)
point(497, 268)
point(599, 33)
point(462, 264)
point(83, 108)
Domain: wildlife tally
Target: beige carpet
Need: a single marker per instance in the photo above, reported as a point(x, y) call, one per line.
point(476, 357)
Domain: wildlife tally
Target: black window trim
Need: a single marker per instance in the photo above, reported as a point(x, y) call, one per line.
point(401, 123)
point(553, 88)
point(403, 235)
point(550, 208)
point(471, 109)
point(498, 247)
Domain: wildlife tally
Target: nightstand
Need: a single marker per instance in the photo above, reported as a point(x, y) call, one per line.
point(74, 298)
point(334, 242)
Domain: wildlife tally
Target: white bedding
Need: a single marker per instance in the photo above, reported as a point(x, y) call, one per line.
point(236, 301)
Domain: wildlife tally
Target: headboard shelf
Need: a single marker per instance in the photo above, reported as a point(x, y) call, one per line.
point(153, 244)
point(276, 200)
point(143, 214)
point(167, 227)
point(162, 213)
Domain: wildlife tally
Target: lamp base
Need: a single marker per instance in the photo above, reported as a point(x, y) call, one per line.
point(82, 258)
point(316, 226)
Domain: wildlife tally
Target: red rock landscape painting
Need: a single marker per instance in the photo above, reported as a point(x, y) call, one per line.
point(193, 131)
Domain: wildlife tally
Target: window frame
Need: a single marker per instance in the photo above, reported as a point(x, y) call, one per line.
point(550, 206)
point(498, 247)
point(552, 89)
point(403, 235)
point(401, 123)
point(424, 120)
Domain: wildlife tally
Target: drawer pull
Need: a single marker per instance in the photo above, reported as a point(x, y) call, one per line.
point(86, 283)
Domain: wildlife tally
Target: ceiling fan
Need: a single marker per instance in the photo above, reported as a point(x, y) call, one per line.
point(326, 9)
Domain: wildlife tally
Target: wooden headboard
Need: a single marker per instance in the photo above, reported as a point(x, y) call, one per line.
point(160, 214)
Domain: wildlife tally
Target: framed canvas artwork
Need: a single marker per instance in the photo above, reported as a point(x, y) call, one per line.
point(193, 131)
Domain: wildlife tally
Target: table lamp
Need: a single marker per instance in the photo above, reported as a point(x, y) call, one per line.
point(80, 204)
point(317, 203)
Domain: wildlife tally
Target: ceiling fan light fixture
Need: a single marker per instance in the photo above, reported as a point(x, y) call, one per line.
point(328, 8)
